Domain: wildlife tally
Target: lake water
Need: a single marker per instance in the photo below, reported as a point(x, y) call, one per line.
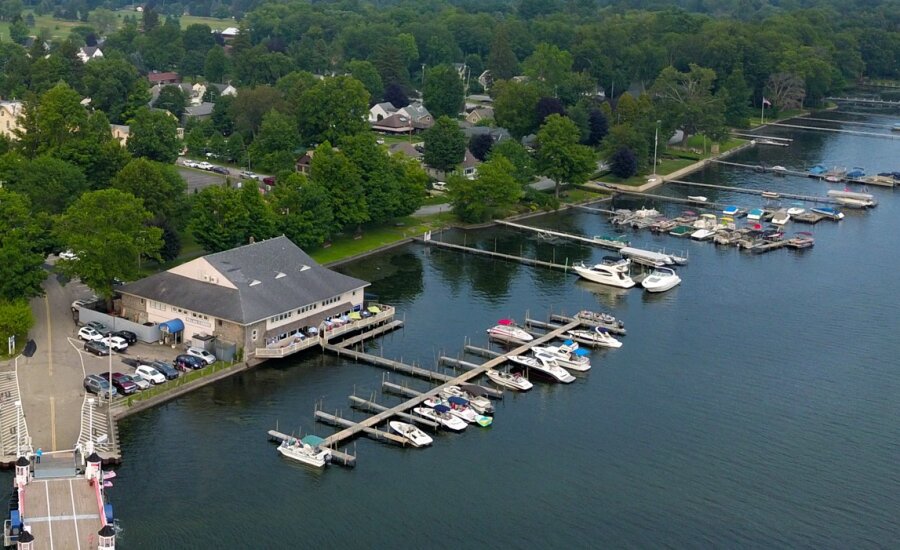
point(755, 405)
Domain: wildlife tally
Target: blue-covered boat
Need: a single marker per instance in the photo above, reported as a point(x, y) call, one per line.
point(856, 173)
point(817, 170)
point(828, 212)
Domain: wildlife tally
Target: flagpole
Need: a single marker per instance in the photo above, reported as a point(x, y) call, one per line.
point(762, 111)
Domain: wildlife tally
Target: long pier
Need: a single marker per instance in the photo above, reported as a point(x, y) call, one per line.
point(595, 210)
point(462, 378)
point(835, 130)
point(864, 100)
point(867, 180)
point(372, 433)
point(673, 199)
point(362, 404)
point(500, 255)
point(398, 366)
point(760, 192)
point(603, 243)
point(854, 122)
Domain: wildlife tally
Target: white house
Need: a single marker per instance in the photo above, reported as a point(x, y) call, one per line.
point(381, 111)
point(10, 117)
point(88, 53)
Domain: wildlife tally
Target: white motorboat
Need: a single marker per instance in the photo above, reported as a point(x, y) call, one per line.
point(544, 364)
point(511, 380)
point(795, 211)
point(598, 337)
point(476, 396)
point(414, 435)
point(461, 411)
point(506, 329)
point(612, 272)
point(646, 213)
point(307, 450)
point(441, 415)
point(705, 226)
point(781, 217)
point(661, 279)
point(779, 170)
point(697, 198)
point(569, 359)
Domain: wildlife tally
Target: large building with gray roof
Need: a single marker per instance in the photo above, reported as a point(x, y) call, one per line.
point(251, 295)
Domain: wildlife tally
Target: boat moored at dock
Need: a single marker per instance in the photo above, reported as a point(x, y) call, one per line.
point(566, 356)
point(660, 280)
point(853, 200)
point(507, 330)
point(415, 436)
point(781, 217)
point(307, 450)
point(828, 212)
point(441, 414)
point(612, 272)
point(476, 396)
point(598, 337)
point(509, 380)
point(543, 364)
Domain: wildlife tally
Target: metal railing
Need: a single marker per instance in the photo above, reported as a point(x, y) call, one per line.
point(386, 313)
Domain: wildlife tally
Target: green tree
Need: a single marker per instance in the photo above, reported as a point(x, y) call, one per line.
point(216, 65)
point(548, 65)
point(103, 20)
point(736, 97)
point(16, 319)
point(502, 60)
point(687, 100)
point(274, 148)
point(626, 136)
point(335, 173)
point(46, 126)
point(51, 184)
point(333, 108)
point(18, 32)
point(94, 151)
point(303, 210)
point(154, 136)
point(365, 72)
point(159, 186)
point(108, 82)
point(197, 40)
point(522, 161)
point(172, 99)
point(515, 106)
point(445, 144)
point(443, 91)
point(560, 157)
point(108, 231)
point(21, 263)
point(219, 220)
point(138, 97)
point(493, 193)
point(250, 106)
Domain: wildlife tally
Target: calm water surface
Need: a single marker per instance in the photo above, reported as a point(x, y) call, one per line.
point(756, 405)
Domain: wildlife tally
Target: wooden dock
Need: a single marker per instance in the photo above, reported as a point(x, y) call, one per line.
point(398, 366)
point(457, 363)
point(498, 255)
point(595, 210)
point(835, 130)
point(601, 242)
point(363, 404)
point(760, 192)
point(667, 198)
point(372, 433)
point(377, 331)
point(853, 122)
point(563, 319)
point(462, 378)
point(866, 100)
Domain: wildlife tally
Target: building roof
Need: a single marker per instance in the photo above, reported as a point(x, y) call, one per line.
point(122, 128)
point(416, 111)
point(387, 106)
point(14, 107)
point(395, 123)
point(405, 148)
point(270, 277)
point(203, 109)
point(482, 112)
point(162, 77)
point(469, 160)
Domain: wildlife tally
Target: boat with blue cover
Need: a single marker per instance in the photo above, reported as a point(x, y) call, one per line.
point(817, 171)
point(828, 212)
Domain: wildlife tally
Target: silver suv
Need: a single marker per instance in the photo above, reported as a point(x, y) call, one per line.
point(96, 385)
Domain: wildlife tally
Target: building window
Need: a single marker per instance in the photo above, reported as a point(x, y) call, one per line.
point(254, 335)
point(159, 306)
point(220, 322)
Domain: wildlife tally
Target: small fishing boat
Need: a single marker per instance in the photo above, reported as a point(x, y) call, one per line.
point(779, 170)
point(612, 272)
point(828, 212)
point(441, 415)
point(795, 211)
point(661, 279)
point(569, 359)
point(781, 217)
point(895, 127)
point(307, 450)
point(597, 318)
point(475, 395)
point(414, 435)
point(598, 337)
point(832, 178)
point(775, 142)
point(697, 198)
point(511, 380)
point(817, 171)
point(663, 225)
point(802, 239)
point(506, 330)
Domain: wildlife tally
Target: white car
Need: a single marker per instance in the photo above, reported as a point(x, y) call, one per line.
point(207, 357)
point(204, 165)
point(189, 163)
point(68, 255)
point(149, 374)
point(89, 335)
point(115, 342)
point(140, 382)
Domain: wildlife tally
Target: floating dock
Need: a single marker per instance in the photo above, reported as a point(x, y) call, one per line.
point(610, 244)
point(372, 433)
point(498, 255)
point(760, 192)
point(362, 404)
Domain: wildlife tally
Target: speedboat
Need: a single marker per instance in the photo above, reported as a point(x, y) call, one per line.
point(705, 227)
point(697, 198)
point(833, 178)
point(795, 211)
point(506, 329)
point(307, 450)
point(458, 406)
point(569, 359)
point(546, 365)
point(612, 273)
point(414, 435)
point(441, 415)
point(511, 380)
point(755, 214)
point(781, 217)
point(828, 212)
point(474, 394)
point(661, 279)
point(646, 213)
point(598, 318)
point(597, 337)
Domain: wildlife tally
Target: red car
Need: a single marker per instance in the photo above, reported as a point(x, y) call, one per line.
point(121, 383)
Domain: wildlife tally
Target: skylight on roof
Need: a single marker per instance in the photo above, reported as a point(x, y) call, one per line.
point(304, 267)
point(255, 282)
point(280, 275)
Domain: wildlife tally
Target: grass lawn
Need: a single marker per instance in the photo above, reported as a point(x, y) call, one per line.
point(782, 115)
point(577, 194)
point(372, 238)
point(391, 140)
point(437, 198)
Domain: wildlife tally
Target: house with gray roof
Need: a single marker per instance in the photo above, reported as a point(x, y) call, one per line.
point(254, 296)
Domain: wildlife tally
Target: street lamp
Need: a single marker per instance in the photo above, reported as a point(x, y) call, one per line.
point(655, 145)
point(90, 447)
point(18, 431)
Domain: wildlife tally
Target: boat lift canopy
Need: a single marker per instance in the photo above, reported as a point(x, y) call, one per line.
point(647, 255)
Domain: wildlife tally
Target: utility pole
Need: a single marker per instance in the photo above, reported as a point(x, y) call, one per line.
point(655, 145)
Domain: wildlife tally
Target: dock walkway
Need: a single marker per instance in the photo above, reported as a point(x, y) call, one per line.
point(760, 192)
point(500, 255)
point(462, 378)
point(835, 130)
point(601, 242)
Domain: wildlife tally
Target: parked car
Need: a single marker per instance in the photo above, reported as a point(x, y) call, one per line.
point(68, 255)
point(97, 348)
point(126, 335)
point(187, 362)
point(219, 170)
point(137, 380)
point(150, 374)
point(83, 303)
point(96, 385)
point(89, 334)
point(439, 186)
point(201, 353)
point(123, 386)
point(247, 174)
point(99, 327)
point(189, 163)
point(117, 343)
point(167, 370)
point(203, 165)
